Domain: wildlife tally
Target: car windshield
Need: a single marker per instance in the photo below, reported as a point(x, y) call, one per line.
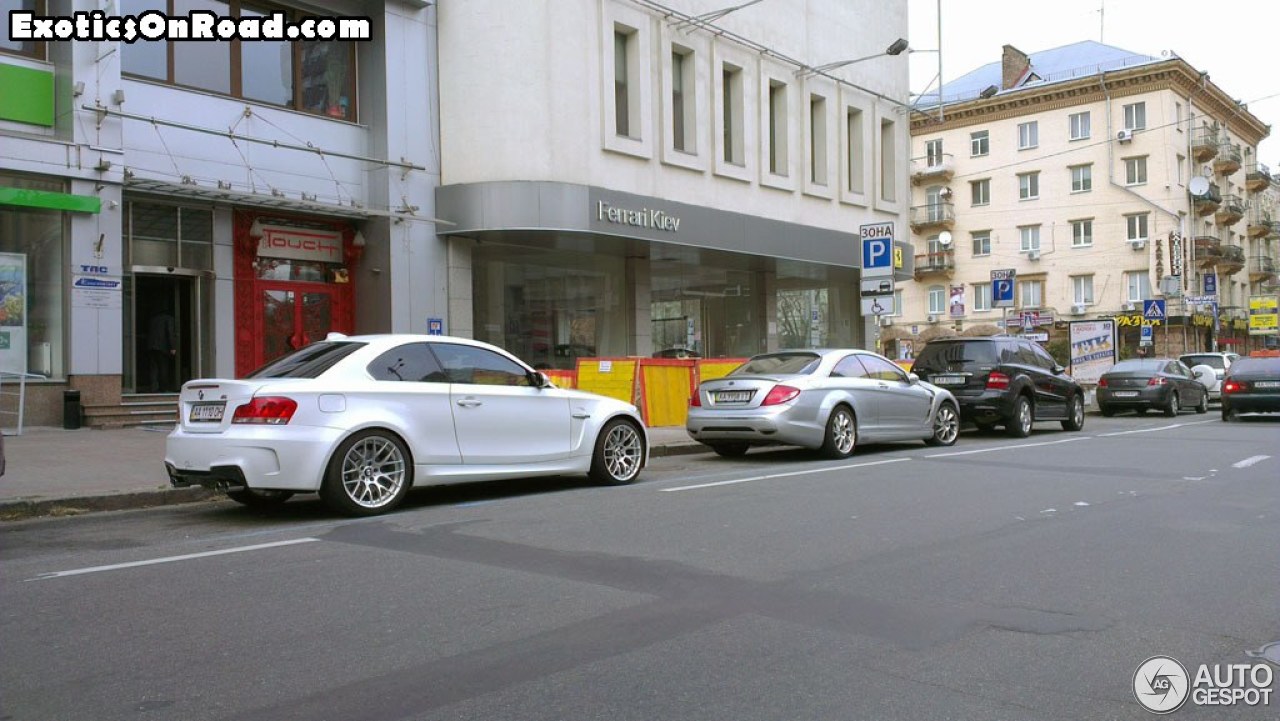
point(1148, 365)
point(942, 356)
point(1207, 359)
point(784, 363)
point(308, 362)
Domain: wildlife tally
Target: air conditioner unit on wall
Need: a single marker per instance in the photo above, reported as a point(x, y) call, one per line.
point(1129, 306)
point(933, 319)
point(1138, 244)
point(1033, 255)
point(1124, 136)
point(1077, 309)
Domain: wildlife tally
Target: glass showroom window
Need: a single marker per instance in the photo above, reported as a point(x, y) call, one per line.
point(32, 308)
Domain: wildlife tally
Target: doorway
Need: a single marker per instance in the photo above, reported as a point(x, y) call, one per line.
point(292, 315)
point(162, 333)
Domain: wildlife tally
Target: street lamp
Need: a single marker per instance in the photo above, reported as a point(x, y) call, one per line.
point(897, 48)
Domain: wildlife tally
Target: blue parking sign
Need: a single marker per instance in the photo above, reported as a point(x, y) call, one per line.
point(877, 249)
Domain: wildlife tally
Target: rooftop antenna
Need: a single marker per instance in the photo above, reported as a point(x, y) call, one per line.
point(1102, 21)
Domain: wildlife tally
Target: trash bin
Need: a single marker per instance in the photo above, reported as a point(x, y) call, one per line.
point(71, 410)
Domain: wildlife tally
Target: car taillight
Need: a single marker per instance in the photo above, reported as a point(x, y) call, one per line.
point(780, 394)
point(1102, 382)
point(696, 400)
point(269, 410)
point(1156, 381)
point(1232, 386)
point(997, 381)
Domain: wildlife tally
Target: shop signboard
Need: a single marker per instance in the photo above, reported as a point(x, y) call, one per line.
point(1264, 315)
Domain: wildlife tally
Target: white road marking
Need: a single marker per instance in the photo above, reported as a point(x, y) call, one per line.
point(168, 559)
point(1008, 448)
point(1153, 430)
point(783, 475)
point(1249, 461)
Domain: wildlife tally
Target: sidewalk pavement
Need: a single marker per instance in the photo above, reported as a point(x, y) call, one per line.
point(54, 472)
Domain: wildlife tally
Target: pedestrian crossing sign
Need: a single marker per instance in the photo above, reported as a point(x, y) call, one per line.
point(1153, 309)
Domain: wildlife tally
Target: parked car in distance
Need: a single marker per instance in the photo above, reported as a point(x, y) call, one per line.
point(1003, 380)
point(1141, 384)
point(679, 353)
point(828, 400)
point(1219, 362)
point(1252, 385)
point(362, 419)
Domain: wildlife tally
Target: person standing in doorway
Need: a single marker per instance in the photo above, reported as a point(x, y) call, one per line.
point(162, 350)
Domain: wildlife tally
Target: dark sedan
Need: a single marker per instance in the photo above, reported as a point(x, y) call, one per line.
point(1144, 383)
point(1252, 385)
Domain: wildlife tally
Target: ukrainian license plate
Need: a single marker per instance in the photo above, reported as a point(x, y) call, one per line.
point(207, 412)
point(1267, 384)
point(1126, 394)
point(948, 380)
point(733, 396)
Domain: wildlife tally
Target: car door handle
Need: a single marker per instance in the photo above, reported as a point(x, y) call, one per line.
point(883, 385)
point(581, 414)
point(469, 403)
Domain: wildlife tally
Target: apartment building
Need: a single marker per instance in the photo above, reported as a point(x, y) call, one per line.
point(258, 194)
point(1100, 178)
point(632, 177)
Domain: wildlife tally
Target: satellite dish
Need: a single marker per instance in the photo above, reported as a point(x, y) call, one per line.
point(1199, 186)
point(944, 239)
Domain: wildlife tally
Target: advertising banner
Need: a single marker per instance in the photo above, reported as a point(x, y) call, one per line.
point(13, 312)
point(1264, 318)
point(1093, 349)
point(957, 301)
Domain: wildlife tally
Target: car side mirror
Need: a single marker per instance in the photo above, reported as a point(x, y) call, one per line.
point(913, 378)
point(538, 379)
point(1059, 370)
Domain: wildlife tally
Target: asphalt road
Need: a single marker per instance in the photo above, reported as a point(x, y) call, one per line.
point(998, 579)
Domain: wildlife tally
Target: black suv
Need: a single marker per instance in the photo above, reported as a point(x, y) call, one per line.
point(1003, 380)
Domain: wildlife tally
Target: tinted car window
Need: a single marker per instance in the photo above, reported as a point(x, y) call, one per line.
point(937, 357)
point(1209, 359)
point(1150, 366)
point(479, 366)
point(308, 362)
point(410, 362)
point(789, 363)
point(1256, 365)
point(1044, 360)
point(850, 367)
point(881, 369)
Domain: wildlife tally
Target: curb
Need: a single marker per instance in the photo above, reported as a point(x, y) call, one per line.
point(23, 509)
point(677, 449)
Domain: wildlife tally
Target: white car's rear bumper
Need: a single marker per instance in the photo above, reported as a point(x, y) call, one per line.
point(261, 457)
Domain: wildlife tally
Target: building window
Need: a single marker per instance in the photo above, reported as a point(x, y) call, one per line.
point(817, 140)
point(1081, 178)
point(1028, 186)
point(933, 153)
point(979, 143)
point(777, 128)
point(1028, 135)
point(1138, 286)
point(981, 242)
point(1135, 116)
point(623, 83)
point(937, 300)
point(853, 136)
point(1182, 169)
point(27, 48)
point(1031, 293)
point(1082, 289)
point(888, 162)
point(683, 103)
point(1177, 116)
point(1029, 237)
point(981, 296)
point(732, 113)
point(1137, 226)
point(1081, 233)
point(980, 190)
point(317, 77)
point(33, 263)
point(1135, 171)
point(1079, 125)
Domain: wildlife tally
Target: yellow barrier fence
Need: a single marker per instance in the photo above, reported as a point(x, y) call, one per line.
point(612, 377)
point(665, 387)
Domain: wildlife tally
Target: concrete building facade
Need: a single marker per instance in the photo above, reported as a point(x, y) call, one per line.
point(1102, 179)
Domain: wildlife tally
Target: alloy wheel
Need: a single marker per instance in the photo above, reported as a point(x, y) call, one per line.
point(373, 472)
point(622, 452)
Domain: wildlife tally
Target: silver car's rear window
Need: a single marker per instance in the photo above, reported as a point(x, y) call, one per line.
point(783, 363)
point(308, 362)
point(1212, 360)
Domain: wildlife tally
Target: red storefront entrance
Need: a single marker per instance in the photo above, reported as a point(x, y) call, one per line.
point(293, 284)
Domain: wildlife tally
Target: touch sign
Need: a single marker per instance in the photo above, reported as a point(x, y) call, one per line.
point(877, 249)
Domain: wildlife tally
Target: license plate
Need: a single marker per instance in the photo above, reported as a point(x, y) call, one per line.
point(1126, 394)
point(207, 412)
point(1267, 384)
point(948, 380)
point(733, 396)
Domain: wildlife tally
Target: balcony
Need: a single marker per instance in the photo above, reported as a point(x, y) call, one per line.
point(1262, 268)
point(933, 169)
point(1204, 143)
point(934, 215)
point(1208, 249)
point(1207, 203)
point(1257, 177)
point(1231, 210)
point(1228, 159)
point(1259, 222)
point(942, 262)
point(1231, 262)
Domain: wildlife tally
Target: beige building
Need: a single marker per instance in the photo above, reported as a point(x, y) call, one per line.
point(1100, 177)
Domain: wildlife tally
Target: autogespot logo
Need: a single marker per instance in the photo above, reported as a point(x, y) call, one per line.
point(1161, 684)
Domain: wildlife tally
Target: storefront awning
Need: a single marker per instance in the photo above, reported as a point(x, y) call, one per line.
point(240, 198)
